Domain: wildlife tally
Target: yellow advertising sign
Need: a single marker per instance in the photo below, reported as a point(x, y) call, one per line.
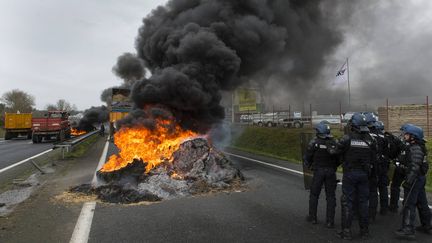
point(247, 99)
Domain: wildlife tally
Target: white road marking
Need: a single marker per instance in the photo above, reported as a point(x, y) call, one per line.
point(101, 161)
point(83, 226)
point(23, 161)
point(280, 167)
point(264, 163)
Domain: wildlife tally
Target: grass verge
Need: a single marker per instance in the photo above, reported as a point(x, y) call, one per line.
point(82, 148)
point(280, 143)
point(2, 132)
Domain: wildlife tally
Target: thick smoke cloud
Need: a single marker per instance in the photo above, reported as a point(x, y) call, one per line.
point(195, 49)
point(387, 46)
point(93, 116)
point(129, 68)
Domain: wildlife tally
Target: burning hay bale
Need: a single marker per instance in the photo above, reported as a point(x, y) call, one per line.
point(196, 168)
point(132, 172)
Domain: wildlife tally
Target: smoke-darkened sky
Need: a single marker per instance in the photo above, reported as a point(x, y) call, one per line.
point(66, 49)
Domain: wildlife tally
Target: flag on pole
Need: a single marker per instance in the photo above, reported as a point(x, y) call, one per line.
point(341, 75)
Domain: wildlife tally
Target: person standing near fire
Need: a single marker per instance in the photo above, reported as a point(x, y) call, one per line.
point(414, 185)
point(321, 157)
point(358, 151)
point(398, 154)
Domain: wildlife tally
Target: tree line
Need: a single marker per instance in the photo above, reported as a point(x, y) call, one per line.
point(19, 101)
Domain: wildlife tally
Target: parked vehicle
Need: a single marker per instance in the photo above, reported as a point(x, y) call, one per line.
point(53, 124)
point(277, 119)
point(292, 122)
point(17, 124)
point(328, 119)
point(265, 119)
point(246, 118)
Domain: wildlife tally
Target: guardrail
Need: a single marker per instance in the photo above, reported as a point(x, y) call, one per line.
point(69, 144)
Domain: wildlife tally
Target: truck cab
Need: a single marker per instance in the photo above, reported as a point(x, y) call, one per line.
point(54, 123)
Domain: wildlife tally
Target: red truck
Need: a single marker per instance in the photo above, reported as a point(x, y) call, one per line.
point(54, 123)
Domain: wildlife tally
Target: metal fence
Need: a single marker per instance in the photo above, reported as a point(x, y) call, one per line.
point(393, 112)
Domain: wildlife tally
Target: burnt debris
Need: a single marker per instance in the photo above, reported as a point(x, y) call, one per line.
point(196, 168)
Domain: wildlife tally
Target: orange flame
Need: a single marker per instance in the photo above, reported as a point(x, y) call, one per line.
point(76, 132)
point(152, 146)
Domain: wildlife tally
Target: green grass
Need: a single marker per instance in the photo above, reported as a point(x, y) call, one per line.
point(274, 142)
point(2, 132)
point(429, 176)
point(280, 143)
point(82, 148)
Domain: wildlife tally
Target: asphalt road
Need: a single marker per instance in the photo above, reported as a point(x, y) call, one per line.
point(271, 209)
point(15, 150)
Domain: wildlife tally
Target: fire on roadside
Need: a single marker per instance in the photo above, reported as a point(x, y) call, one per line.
point(152, 146)
point(76, 132)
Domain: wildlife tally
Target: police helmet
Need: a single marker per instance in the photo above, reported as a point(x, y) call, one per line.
point(358, 122)
point(323, 130)
point(379, 125)
point(404, 126)
point(415, 131)
point(371, 118)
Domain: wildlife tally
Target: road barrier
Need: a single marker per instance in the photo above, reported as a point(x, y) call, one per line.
point(69, 144)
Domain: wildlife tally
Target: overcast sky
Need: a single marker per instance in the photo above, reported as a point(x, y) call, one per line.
point(57, 49)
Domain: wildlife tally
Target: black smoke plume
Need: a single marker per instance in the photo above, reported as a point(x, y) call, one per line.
point(196, 48)
point(129, 68)
point(93, 116)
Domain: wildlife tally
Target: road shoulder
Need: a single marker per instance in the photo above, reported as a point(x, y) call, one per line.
point(45, 218)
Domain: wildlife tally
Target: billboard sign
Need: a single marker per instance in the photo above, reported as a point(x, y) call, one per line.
point(247, 99)
point(120, 100)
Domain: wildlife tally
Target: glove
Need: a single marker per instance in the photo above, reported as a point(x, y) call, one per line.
point(307, 164)
point(406, 184)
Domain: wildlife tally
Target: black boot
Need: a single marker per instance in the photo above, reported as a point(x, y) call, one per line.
point(312, 219)
point(330, 224)
point(405, 233)
point(364, 233)
point(345, 234)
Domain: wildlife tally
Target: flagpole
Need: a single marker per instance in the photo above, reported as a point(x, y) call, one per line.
point(349, 88)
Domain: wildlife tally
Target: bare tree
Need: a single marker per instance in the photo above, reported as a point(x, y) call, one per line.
point(61, 105)
point(51, 107)
point(17, 100)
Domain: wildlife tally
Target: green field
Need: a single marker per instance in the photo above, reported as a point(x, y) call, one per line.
point(2, 132)
point(282, 143)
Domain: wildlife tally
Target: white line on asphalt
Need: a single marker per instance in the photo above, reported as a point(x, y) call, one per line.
point(280, 167)
point(83, 225)
point(264, 163)
point(82, 228)
point(23, 161)
point(101, 161)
